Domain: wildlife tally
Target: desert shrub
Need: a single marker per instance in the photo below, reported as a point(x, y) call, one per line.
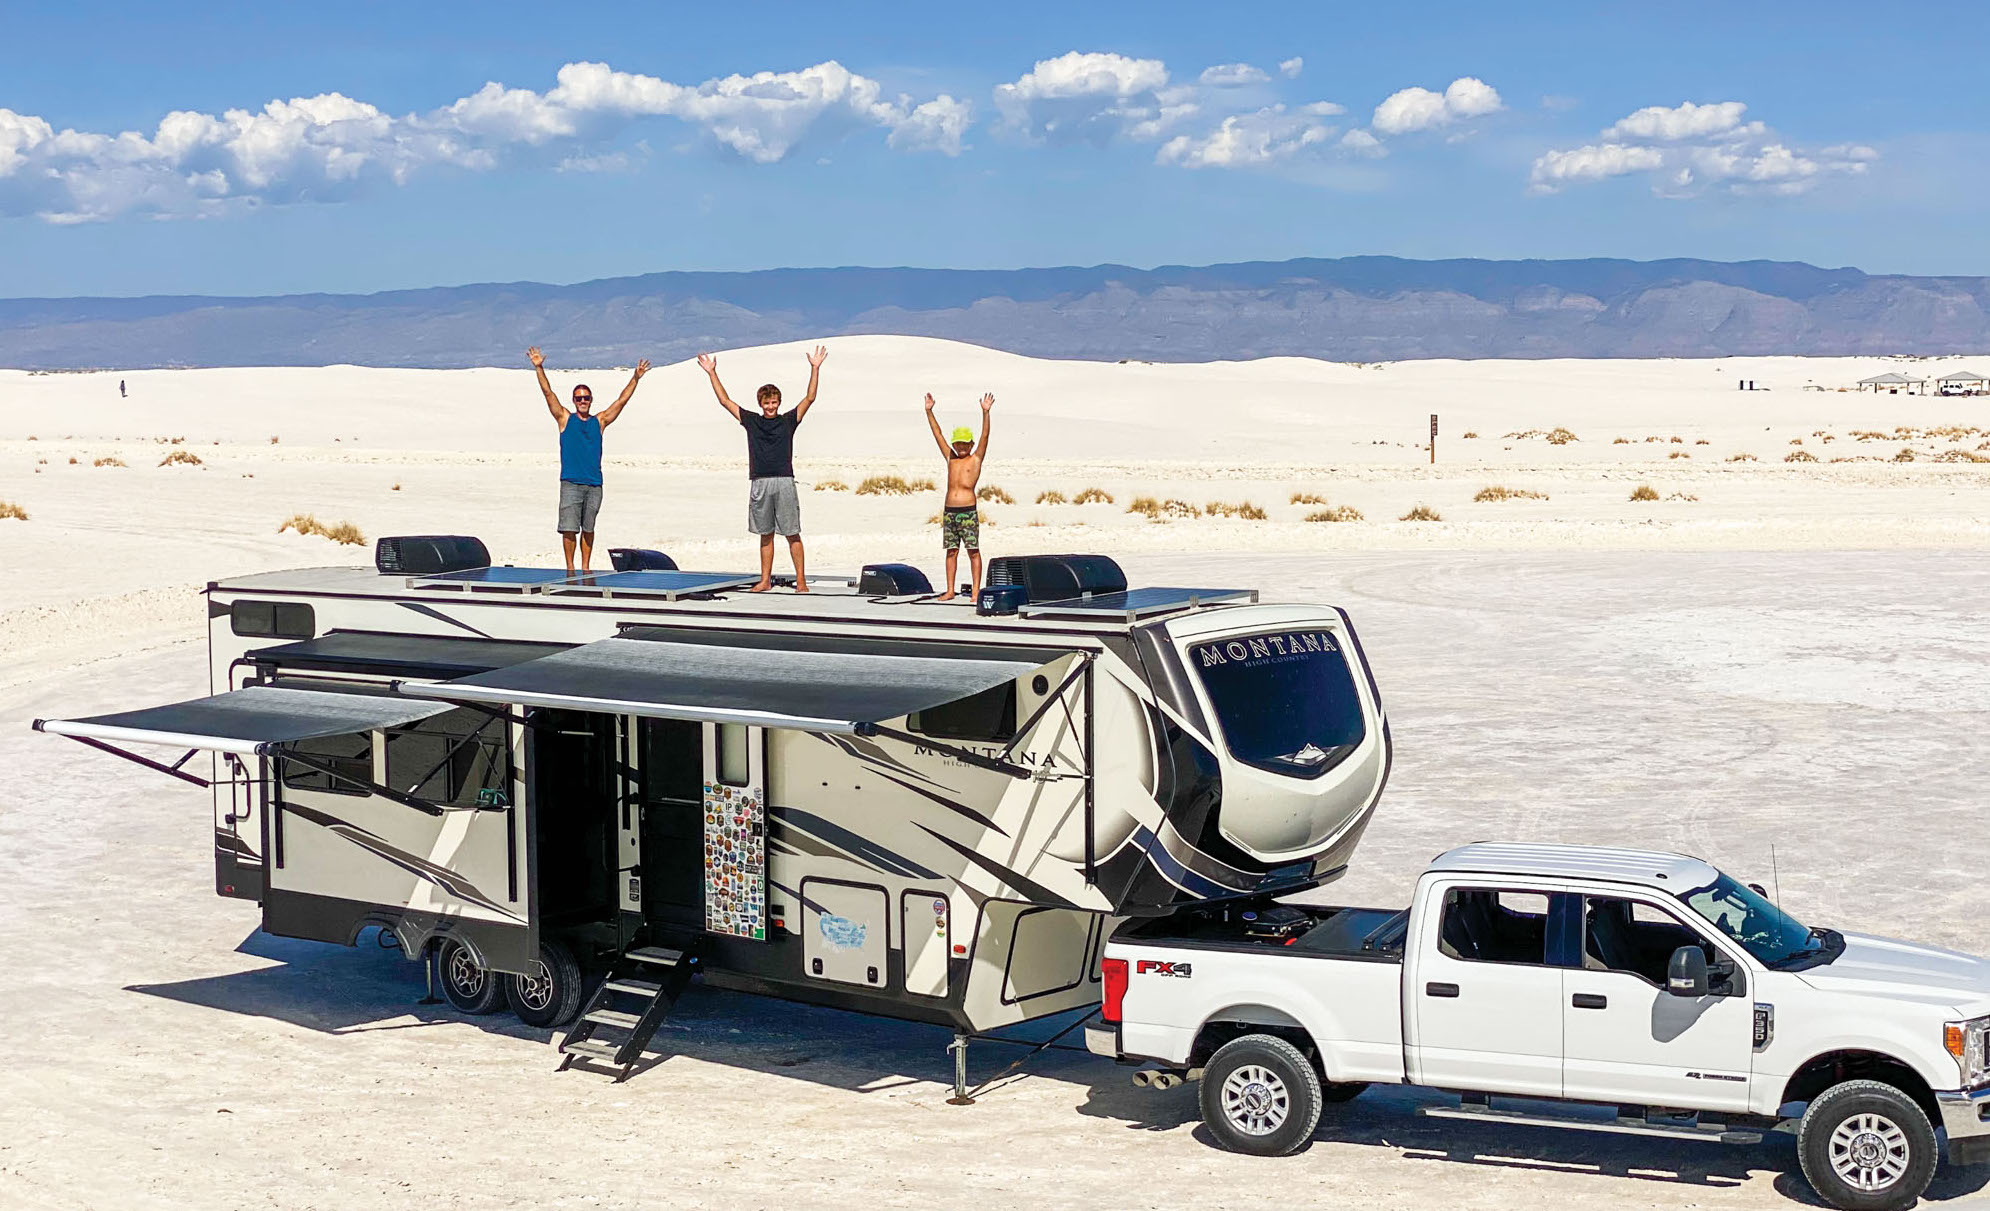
point(395, 488)
point(1308, 498)
point(109, 460)
point(1217, 508)
point(9, 511)
point(1799, 456)
point(1643, 492)
point(1743, 457)
point(1337, 513)
point(885, 485)
point(831, 485)
point(1620, 441)
point(1050, 496)
point(1421, 513)
point(72, 460)
point(1471, 436)
point(1500, 492)
point(1146, 506)
point(1906, 455)
point(1961, 456)
point(184, 457)
point(921, 485)
point(1557, 436)
point(991, 492)
point(1682, 496)
point(1796, 441)
point(1676, 440)
point(1703, 442)
point(308, 525)
point(1679, 454)
point(1250, 512)
point(1179, 508)
point(274, 439)
point(1092, 496)
point(345, 533)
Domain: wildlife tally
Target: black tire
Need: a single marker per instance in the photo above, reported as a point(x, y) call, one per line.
point(551, 994)
point(1260, 1096)
point(1866, 1146)
point(466, 983)
point(1343, 1091)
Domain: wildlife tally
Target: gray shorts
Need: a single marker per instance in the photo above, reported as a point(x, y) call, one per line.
point(578, 505)
point(773, 507)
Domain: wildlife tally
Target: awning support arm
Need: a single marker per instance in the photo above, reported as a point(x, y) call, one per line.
point(482, 707)
point(963, 755)
point(1043, 708)
point(147, 762)
point(370, 787)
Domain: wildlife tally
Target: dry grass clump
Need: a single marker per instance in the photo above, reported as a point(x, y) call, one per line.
point(1682, 496)
point(1906, 455)
point(1799, 456)
point(343, 532)
point(185, 457)
point(1179, 508)
point(922, 485)
point(9, 511)
point(395, 488)
point(1620, 441)
point(1242, 510)
point(991, 492)
point(109, 460)
point(1092, 496)
point(1050, 496)
point(1676, 440)
point(1654, 439)
point(1703, 442)
point(1679, 454)
point(1471, 436)
point(885, 485)
point(1796, 441)
point(1960, 456)
point(1500, 492)
point(1162, 510)
point(274, 439)
point(1559, 436)
point(831, 485)
point(1423, 513)
point(1743, 457)
point(1337, 513)
point(1643, 492)
point(1308, 498)
point(72, 460)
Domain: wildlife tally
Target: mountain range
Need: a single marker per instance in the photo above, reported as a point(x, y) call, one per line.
point(1346, 309)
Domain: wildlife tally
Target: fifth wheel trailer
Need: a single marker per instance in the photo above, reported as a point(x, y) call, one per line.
point(864, 798)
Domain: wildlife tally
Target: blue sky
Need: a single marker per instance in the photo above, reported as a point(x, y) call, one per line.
point(628, 139)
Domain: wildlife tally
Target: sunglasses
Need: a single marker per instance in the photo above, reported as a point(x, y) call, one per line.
point(583, 399)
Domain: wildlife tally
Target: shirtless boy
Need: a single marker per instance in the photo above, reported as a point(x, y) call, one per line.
point(960, 524)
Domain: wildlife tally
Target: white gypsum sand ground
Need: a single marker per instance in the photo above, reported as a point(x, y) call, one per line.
point(1793, 659)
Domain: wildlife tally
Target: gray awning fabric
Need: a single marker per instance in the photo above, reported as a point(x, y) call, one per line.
point(247, 721)
point(794, 687)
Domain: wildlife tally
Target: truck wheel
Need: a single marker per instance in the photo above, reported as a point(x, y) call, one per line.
point(468, 985)
point(549, 994)
point(1261, 1096)
point(1866, 1146)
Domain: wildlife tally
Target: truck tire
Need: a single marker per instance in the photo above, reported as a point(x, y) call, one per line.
point(468, 985)
point(1866, 1146)
point(1261, 1096)
point(550, 994)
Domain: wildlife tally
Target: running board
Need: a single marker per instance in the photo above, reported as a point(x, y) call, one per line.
point(1712, 1133)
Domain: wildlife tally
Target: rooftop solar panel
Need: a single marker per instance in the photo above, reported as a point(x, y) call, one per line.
point(666, 585)
point(1137, 603)
point(503, 579)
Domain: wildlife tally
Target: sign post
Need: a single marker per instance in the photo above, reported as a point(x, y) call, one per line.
point(1433, 439)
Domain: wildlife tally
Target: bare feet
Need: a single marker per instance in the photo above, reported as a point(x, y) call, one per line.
point(944, 597)
point(801, 586)
point(762, 587)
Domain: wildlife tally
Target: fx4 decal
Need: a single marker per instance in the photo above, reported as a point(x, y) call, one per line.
point(1163, 967)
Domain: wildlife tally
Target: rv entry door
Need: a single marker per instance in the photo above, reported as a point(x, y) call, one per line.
point(735, 801)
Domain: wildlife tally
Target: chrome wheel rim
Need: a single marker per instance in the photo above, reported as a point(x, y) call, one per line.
point(464, 973)
point(1869, 1152)
point(1255, 1100)
point(535, 988)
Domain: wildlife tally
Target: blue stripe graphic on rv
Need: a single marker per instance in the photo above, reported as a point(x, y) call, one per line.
point(850, 843)
point(432, 612)
point(1035, 891)
point(1173, 869)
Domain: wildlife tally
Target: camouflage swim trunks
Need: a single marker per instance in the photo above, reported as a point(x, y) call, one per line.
point(960, 528)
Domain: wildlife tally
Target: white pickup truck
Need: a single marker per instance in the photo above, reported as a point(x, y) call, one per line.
point(1647, 982)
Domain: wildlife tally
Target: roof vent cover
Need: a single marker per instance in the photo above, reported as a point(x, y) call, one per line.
point(429, 554)
point(1058, 577)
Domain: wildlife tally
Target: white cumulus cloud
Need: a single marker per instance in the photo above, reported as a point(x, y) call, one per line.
point(1232, 75)
point(1269, 135)
point(1412, 109)
point(1690, 148)
point(1290, 68)
point(1683, 121)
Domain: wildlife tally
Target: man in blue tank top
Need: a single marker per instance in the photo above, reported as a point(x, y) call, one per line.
point(580, 456)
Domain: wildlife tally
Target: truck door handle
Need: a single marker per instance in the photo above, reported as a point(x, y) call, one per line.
point(1589, 1000)
point(1440, 990)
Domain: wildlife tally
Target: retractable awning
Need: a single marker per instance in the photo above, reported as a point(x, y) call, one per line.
point(247, 722)
point(809, 688)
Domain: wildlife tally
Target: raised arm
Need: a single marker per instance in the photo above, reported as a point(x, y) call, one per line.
point(939, 434)
point(553, 404)
point(987, 410)
point(814, 377)
point(710, 365)
point(615, 409)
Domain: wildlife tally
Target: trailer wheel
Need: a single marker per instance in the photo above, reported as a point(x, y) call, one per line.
point(1866, 1146)
point(1261, 1096)
point(468, 985)
point(550, 993)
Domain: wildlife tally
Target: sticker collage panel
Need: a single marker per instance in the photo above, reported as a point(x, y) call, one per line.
point(735, 862)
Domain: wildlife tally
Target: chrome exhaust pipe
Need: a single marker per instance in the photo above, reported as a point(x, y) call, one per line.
point(1142, 1078)
point(1165, 1080)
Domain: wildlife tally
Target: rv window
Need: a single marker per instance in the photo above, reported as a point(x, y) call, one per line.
point(273, 620)
point(1286, 700)
point(672, 767)
point(351, 756)
point(450, 759)
point(733, 765)
point(987, 716)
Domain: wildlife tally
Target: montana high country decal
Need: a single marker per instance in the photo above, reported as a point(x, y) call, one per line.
point(1262, 649)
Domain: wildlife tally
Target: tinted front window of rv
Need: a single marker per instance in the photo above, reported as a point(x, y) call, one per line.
point(1286, 699)
point(351, 756)
point(987, 716)
point(451, 759)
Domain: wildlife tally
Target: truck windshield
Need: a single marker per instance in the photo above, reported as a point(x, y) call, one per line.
point(1286, 699)
point(1765, 931)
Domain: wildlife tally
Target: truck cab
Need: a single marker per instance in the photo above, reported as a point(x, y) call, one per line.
point(1649, 982)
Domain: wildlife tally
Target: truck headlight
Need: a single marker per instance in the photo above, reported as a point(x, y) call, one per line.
point(1969, 1043)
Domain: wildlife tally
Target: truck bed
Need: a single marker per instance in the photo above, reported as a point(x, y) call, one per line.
point(1255, 925)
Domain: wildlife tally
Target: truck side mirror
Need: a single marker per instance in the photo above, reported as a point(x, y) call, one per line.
point(1686, 974)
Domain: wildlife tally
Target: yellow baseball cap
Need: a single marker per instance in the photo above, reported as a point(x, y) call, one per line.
point(963, 434)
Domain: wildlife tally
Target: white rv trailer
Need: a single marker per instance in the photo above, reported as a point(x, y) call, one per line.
point(869, 800)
